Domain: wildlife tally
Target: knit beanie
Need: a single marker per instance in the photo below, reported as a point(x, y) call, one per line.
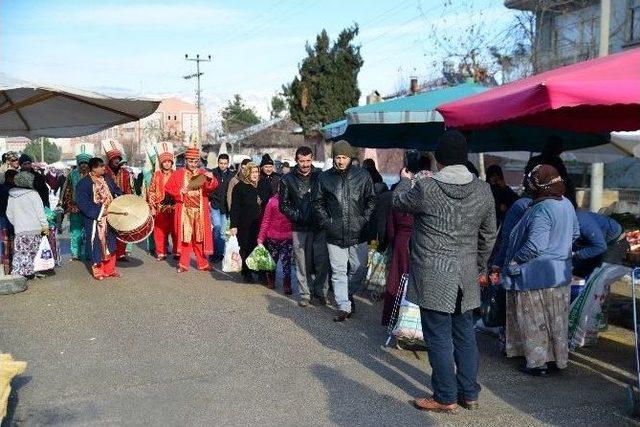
point(24, 179)
point(24, 158)
point(266, 160)
point(451, 149)
point(342, 148)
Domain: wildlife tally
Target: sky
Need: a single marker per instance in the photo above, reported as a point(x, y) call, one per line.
point(137, 48)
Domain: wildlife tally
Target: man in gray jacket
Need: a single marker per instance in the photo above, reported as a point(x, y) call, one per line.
point(453, 234)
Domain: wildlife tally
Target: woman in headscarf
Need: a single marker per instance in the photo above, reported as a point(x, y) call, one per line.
point(25, 211)
point(245, 214)
point(537, 275)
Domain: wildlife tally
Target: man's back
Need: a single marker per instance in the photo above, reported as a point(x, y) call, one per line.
point(454, 232)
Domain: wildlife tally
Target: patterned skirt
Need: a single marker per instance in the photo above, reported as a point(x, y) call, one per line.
point(537, 326)
point(25, 249)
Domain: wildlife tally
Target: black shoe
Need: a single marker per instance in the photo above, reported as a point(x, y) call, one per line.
point(248, 278)
point(469, 405)
point(534, 372)
point(341, 316)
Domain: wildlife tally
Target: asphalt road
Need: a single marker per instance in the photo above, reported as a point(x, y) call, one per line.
point(158, 348)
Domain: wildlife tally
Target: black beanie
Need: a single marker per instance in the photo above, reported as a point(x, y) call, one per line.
point(266, 160)
point(24, 158)
point(451, 149)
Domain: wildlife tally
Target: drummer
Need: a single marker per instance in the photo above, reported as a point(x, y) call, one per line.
point(192, 215)
point(94, 193)
point(123, 180)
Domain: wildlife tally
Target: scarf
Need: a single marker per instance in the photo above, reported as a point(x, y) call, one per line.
point(545, 182)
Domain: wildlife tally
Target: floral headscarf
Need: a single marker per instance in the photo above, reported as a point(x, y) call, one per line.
point(245, 173)
point(545, 182)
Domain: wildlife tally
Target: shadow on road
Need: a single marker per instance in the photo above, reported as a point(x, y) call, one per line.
point(17, 383)
point(355, 338)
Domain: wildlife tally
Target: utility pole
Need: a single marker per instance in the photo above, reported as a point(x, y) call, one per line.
point(597, 169)
point(197, 60)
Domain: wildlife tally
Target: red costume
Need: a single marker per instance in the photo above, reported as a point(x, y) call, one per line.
point(192, 216)
point(163, 226)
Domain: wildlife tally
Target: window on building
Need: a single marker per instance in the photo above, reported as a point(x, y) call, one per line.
point(175, 118)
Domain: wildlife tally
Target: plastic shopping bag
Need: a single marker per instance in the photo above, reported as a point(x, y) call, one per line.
point(377, 271)
point(408, 325)
point(232, 262)
point(44, 257)
point(586, 315)
point(260, 260)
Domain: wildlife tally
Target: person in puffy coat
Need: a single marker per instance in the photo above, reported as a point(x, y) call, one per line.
point(343, 201)
point(276, 235)
point(25, 211)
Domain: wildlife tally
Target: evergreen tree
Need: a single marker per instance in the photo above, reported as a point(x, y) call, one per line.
point(328, 81)
point(52, 152)
point(278, 105)
point(237, 116)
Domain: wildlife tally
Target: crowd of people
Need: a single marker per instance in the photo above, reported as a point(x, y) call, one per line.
point(450, 231)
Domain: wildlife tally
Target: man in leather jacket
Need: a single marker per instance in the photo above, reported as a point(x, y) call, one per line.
point(343, 201)
point(309, 242)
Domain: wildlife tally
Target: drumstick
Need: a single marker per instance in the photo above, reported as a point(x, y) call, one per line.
point(118, 213)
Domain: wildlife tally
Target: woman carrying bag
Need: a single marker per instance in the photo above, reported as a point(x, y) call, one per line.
point(25, 211)
point(245, 214)
point(277, 236)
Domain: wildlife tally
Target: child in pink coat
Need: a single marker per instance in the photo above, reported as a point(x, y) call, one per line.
point(276, 235)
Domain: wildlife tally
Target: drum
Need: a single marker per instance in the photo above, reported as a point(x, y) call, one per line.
point(130, 217)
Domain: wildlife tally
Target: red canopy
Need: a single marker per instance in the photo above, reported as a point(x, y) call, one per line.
point(600, 95)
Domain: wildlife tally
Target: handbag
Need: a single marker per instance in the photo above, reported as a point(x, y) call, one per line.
point(493, 307)
point(44, 257)
point(232, 261)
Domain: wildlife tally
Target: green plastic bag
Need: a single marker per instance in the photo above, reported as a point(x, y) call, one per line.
point(260, 260)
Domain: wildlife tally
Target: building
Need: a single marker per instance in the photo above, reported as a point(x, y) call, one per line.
point(174, 120)
point(569, 31)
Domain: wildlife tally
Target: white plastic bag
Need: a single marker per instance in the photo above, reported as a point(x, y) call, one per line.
point(586, 311)
point(232, 262)
point(408, 325)
point(44, 257)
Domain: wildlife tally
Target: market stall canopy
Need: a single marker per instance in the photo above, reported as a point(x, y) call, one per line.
point(334, 130)
point(600, 95)
point(408, 122)
point(413, 122)
point(623, 145)
point(35, 110)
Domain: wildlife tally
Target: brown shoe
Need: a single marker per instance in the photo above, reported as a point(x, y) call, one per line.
point(182, 269)
point(470, 405)
point(430, 404)
point(207, 268)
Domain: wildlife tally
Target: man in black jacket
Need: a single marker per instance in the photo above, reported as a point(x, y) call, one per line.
point(218, 200)
point(309, 242)
point(269, 179)
point(343, 201)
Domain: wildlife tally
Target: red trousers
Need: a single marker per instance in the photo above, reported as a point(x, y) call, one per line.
point(185, 255)
point(105, 268)
point(163, 227)
point(121, 249)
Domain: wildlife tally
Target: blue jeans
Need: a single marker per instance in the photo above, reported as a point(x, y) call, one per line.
point(453, 353)
point(219, 222)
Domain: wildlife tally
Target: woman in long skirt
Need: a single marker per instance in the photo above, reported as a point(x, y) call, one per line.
point(537, 275)
point(25, 211)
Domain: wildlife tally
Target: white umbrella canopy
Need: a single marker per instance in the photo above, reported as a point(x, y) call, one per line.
point(35, 110)
point(622, 145)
